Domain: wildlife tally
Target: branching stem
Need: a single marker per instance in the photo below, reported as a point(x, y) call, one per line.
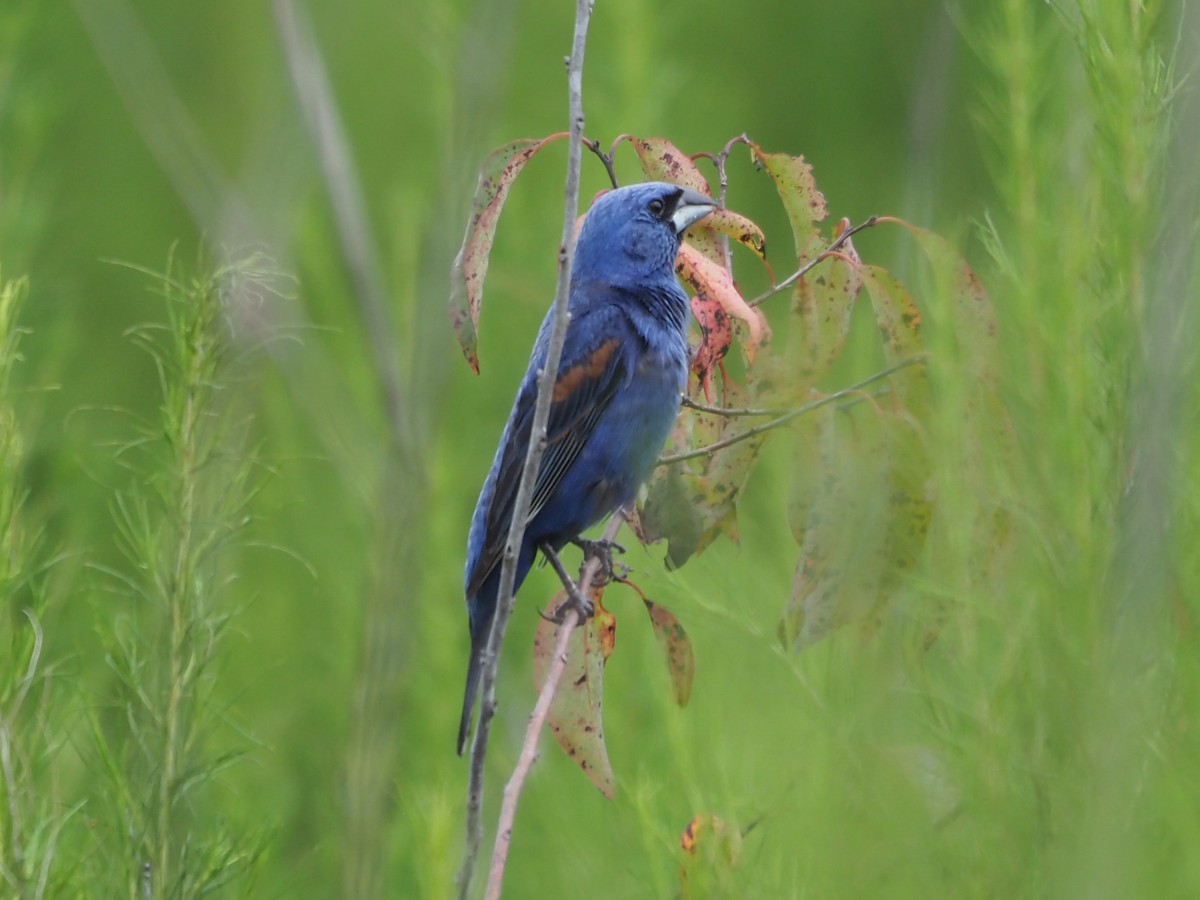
point(791, 414)
point(838, 243)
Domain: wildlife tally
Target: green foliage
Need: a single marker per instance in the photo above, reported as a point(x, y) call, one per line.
point(161, 741)
point(1020, 722)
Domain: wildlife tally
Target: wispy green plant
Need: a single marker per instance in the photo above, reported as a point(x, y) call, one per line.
point(165, 741)
point(31, 822)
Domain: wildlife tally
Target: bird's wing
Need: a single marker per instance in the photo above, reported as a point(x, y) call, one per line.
point(589, 375)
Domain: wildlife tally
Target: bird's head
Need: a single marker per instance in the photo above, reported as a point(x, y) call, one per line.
point(631, 235)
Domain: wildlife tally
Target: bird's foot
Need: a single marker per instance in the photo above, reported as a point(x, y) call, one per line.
point(576, 599)
point(603, 551)
point(582, 605)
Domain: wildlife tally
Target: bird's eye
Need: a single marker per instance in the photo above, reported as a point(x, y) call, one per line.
point(656, 208)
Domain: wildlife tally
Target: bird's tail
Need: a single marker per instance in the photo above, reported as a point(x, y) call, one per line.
point(474, 670)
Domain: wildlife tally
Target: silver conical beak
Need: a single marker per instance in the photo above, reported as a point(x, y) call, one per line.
point(691, 207)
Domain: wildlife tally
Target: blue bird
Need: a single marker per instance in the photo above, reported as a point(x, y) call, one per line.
point(623, 371)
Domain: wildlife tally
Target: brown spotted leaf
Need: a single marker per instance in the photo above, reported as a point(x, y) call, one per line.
point(802, 201)
point(896, 314)
point(974, 320)
point(575, 717)
point(663, 161)
point(716, 334)
point(706, 277)
point(740, 229)
point(710, 235)
point(467, 274)
point(822, 305)
point(677, 646)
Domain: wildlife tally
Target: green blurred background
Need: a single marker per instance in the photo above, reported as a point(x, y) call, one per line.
point(1046, 746)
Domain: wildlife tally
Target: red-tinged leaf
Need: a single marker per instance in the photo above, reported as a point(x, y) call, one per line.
point(716, 334)
point(663, 161)
point(706, 277)
point(575, 717)
point(803, 203)
point(821, 307)
point(677, 646)
point(467, 274)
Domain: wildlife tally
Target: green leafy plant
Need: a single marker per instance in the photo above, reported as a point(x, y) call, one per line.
point(160, 745)
point(861, 497)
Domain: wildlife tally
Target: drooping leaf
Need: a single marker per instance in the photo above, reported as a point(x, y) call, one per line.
point(677, 646)
point(822, 304)
point(716, 334)
point(802, 201)
point(575, 717)
point(896, 314)
point(710, 233)
point(987, 432)
point(974, 319)
point(708, 278)
point(467, 275)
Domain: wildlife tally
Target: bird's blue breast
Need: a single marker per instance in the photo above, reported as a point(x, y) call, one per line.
point(626, 442)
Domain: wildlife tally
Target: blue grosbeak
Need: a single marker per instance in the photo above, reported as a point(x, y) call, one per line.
point(622, 374)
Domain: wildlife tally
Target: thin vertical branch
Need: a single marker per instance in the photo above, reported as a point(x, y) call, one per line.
point(537, 721)
point(537, 446)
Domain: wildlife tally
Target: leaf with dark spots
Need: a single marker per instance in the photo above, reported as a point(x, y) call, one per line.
point(802, 201)
point(467, 274)
point(663, 161)
point(575, 717)
point(677, 646)
point(740, 229)
point(822, 307)
point(716, 334)
point(705, 277)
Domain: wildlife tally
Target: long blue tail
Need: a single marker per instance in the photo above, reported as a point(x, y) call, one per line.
point(480, 610)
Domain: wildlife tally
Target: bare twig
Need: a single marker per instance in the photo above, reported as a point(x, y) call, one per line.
point(838, 243)
point(537, 446)
point(792, 414)
point(537, 720)
point(606, 159)
point(731, 412)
